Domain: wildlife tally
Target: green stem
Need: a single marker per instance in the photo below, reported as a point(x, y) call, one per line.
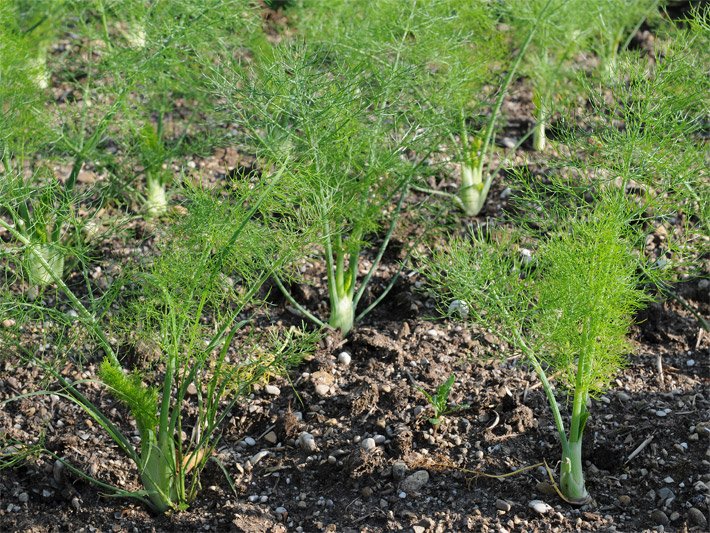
point(310, 316)
point(572, 474)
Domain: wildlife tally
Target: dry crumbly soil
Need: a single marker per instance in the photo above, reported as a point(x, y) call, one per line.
point(346, 445)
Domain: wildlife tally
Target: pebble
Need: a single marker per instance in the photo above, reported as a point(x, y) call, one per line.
point(659, 517)
point(249, 441)
point(661, 413)
point(668, 479)
point(344, 358)
point(258, 457)
point(697, 517)
point(23, 497)
point(379, 439)
point(458, 308)
point(322, 389)
point(368, 444)
point(273, 390)
point(665, 493)
point(307, 442)
point(414, 482)
point(366, 492)
point(399, 470)
point(271, 437)
point(624, 499)
point(418, 529)
point(191, 389)
point(503, 505)
point(281, 512)
point(8, 323)
point(539, 506)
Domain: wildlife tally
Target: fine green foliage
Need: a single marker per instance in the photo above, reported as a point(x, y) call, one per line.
point(166, 49)
point(439, 401)
point(570, 315)
point(332, 128)
point(447, 48)
point(190, 304)
point(646, 133)
point(562, 32)
point(614, 22)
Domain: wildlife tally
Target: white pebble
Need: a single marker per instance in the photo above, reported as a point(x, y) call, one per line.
point(458, 308)
point(344, 358)
point(539, 506)
point(368, 444)
point(273, 390)
point(307, 442)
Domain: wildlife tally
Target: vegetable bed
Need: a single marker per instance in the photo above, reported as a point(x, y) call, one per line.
point(379, 266)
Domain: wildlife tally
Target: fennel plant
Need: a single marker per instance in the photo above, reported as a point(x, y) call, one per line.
point(569, 315)
point(167, 48)
point(334, 131)
point(447, 47)
point(558, 36)
point(185, 307)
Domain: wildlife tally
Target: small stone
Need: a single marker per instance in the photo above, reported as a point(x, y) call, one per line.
point(307, 442)
point(661, 413)
point(526, 256)
point(368, 444)
point(23, 497)
point(271, 437)
point(624, 500)
point(58, 471)
point(413, 483)
point(623, 396)
point(366, 492)
point(664, 493)
point(668, 479)
point(253, 498)
point(258, 457)
point(272, 390)
point(539, 507)
point(659, 517)
point(419, 529)
point(322, 389)
point(379, 439)
point(344, 358)
point(8, 323)
point(697, 517)
point(690, 362)
point(191, 389)
point(249, 441)
point(675, 515)
point(699, 486)
point(281, 512)
point(458, 308)
point(503, 505)
point(399, 470)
